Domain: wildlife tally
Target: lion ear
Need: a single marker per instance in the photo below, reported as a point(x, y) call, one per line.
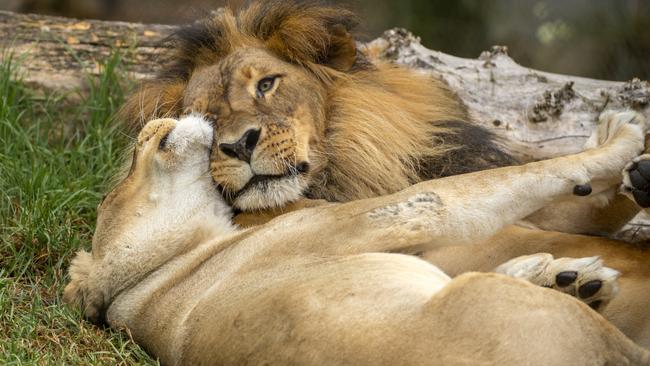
point(342, 51)
point(304, 32)
point(331, 46)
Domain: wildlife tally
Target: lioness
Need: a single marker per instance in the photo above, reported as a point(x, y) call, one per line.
point(317, 287)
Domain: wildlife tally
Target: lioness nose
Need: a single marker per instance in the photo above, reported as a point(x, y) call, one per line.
point(242, 149)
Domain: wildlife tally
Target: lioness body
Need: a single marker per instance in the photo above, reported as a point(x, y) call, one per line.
point(377, 309)
point(316, 286)
point(629, 308)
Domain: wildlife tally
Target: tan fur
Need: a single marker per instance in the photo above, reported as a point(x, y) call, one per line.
point(80, 268)
point(627, 310)
point(319, 286)
point(378, 136)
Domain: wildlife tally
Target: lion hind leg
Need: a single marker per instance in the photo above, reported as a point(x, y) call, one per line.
point(586, 279)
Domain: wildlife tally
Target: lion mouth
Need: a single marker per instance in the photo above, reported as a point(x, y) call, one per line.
point(268, 191)
point(262, 180)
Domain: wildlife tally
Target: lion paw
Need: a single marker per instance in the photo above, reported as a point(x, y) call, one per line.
point(583, 278)
point(636, 180)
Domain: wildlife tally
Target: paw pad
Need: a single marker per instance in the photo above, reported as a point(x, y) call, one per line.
point(636, 180)
point(589, 289)
point(583, 278)
point(564, 279)
point(582, 190)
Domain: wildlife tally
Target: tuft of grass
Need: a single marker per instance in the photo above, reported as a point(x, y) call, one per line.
point(55, 161)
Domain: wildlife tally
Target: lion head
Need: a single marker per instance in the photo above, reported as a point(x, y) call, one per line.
point(298, 109)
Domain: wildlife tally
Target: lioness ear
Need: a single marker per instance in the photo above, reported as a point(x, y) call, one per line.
point(80, 292)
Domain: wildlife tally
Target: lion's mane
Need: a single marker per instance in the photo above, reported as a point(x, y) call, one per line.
point(387, 127)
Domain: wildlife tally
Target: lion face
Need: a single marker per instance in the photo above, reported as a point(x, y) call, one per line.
point(268, 119)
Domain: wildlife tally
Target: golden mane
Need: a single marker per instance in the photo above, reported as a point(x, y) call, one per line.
point(386, 128)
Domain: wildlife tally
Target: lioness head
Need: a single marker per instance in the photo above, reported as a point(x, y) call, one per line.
point(166, 202)
point(170, 159)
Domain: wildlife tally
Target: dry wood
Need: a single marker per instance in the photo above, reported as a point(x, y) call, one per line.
point(539, 114)
point(57, 52)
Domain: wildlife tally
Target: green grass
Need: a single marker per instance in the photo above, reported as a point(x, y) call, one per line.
point(56, 160)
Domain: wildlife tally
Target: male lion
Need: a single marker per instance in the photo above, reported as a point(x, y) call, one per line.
point(318, 286)
point(324, 122)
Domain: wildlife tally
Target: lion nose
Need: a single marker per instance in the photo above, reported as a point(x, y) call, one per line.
point(242, 149)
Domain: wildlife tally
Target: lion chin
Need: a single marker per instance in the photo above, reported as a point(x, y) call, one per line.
point(270, 193)
point(297, 97)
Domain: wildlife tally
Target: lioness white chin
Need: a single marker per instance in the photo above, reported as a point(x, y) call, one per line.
point(318, 286)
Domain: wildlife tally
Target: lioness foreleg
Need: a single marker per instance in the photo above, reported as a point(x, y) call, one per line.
point(466, 208)
point(605, 211)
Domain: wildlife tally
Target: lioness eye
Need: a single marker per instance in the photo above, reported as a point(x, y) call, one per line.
point(265, 85)
point(163, 142)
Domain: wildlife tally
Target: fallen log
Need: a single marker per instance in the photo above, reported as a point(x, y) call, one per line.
point(539, 114)
point(57, 53)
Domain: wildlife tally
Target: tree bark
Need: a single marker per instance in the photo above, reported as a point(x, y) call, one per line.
point(58, 53)
point(538, 114)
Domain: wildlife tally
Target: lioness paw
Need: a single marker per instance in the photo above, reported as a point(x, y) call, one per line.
point(636, 180)
point(612, 124)
point(583, 278)
point(617, 140)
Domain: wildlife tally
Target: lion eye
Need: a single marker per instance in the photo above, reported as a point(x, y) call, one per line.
point(265, 85)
